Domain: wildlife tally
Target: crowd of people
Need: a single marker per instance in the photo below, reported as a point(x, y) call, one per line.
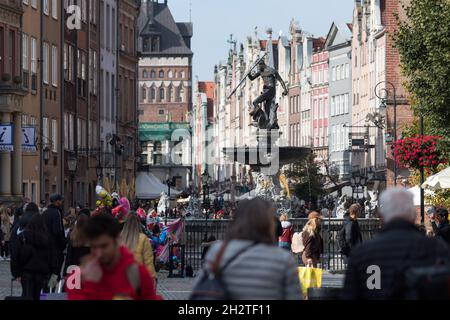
point(250, 266)
point(115, 252)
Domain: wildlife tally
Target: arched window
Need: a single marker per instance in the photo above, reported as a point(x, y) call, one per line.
point(144, 93)
point(180, 93)
point(153, 94)
point(145, 74)
point(161, 74)
point(169, 94)
point(180, 75)
point(170, 74)
point(161, 94)
point(153, 74)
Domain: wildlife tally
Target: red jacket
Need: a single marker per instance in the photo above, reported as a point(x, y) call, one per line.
point(115, 285)
point(288, 232)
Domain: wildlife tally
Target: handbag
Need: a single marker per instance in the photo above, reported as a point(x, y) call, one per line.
point(211, 286)
point(309, 277)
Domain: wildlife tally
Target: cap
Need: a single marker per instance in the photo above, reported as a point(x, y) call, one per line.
point(314, 215)
point(56, 197)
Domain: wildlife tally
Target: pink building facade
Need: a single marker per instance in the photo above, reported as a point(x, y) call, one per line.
point(319, 103)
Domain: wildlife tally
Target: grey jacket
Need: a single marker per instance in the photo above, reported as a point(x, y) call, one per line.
point(262, 272)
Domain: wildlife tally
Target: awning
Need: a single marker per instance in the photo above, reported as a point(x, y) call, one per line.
point(416, 193)
point(438, 181)
point(149, 187)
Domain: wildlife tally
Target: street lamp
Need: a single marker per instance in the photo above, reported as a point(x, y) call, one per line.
point(357, 182)
point(384, 105)
point(46, 154)
point(72, 164)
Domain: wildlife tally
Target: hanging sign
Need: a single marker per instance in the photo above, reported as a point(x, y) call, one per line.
point(6, 138)
point(29, 139)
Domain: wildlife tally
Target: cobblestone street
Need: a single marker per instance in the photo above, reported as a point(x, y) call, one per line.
point(168, 288)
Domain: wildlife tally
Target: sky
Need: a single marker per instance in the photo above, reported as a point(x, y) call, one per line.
point(215, 20)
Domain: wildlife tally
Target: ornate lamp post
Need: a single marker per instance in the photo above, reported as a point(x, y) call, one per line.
point(384, 105)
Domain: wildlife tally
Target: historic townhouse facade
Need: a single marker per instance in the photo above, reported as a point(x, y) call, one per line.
point(338, 44)
point(127, 116)
point(319, 97)
point(81, 65)
point(165, 92)
point(11, 101)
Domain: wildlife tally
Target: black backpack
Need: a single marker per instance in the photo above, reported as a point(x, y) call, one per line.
point(211, 285)
point(343, 246)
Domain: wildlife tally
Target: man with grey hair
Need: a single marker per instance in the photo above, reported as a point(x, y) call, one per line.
point(376, 268)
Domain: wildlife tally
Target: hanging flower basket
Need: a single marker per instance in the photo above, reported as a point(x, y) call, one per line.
point(420, 150)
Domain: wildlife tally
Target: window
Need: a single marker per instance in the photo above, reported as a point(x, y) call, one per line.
point(45, 131)
point(55, 9)
point(161, 112)
point(143, 94)
point(33, 55)
point(161, 94)
point(113, 30)
point(79, 129)
point(333, 74)
point(93, 11)
point(153, 93)
point(66, 131)
point(347, 70)
point(25, 75)
point(346, 105)
point(45, 63)
point(54, 136)
point(71, 137)
point(46, 7)
point(338, 73)
point(145, 74)
point(108, 27)
point(25, 51)
point(83, 10)
point(321, 109)
point(54, 66)
point(161, 74)
point(153, 74)
point(169, 94)
point(333, 111)
point(342, 72)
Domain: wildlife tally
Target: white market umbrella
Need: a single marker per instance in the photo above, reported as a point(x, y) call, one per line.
point(416, 193)
point(438, 181)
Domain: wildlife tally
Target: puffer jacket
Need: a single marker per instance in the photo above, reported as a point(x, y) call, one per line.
point(143, 253)
point(261, 272)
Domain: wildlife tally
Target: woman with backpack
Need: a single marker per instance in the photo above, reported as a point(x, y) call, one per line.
point(312, 240)
point(249, 265)
point(350, 234)
point(33, 259)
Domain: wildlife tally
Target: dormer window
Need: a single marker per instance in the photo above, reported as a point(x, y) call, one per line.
point(151, 44)
point(155, 44)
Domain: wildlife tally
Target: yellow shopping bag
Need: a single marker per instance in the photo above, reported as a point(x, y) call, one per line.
point(309, 278)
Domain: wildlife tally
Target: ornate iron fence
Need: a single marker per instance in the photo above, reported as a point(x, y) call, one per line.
point(196, 231)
